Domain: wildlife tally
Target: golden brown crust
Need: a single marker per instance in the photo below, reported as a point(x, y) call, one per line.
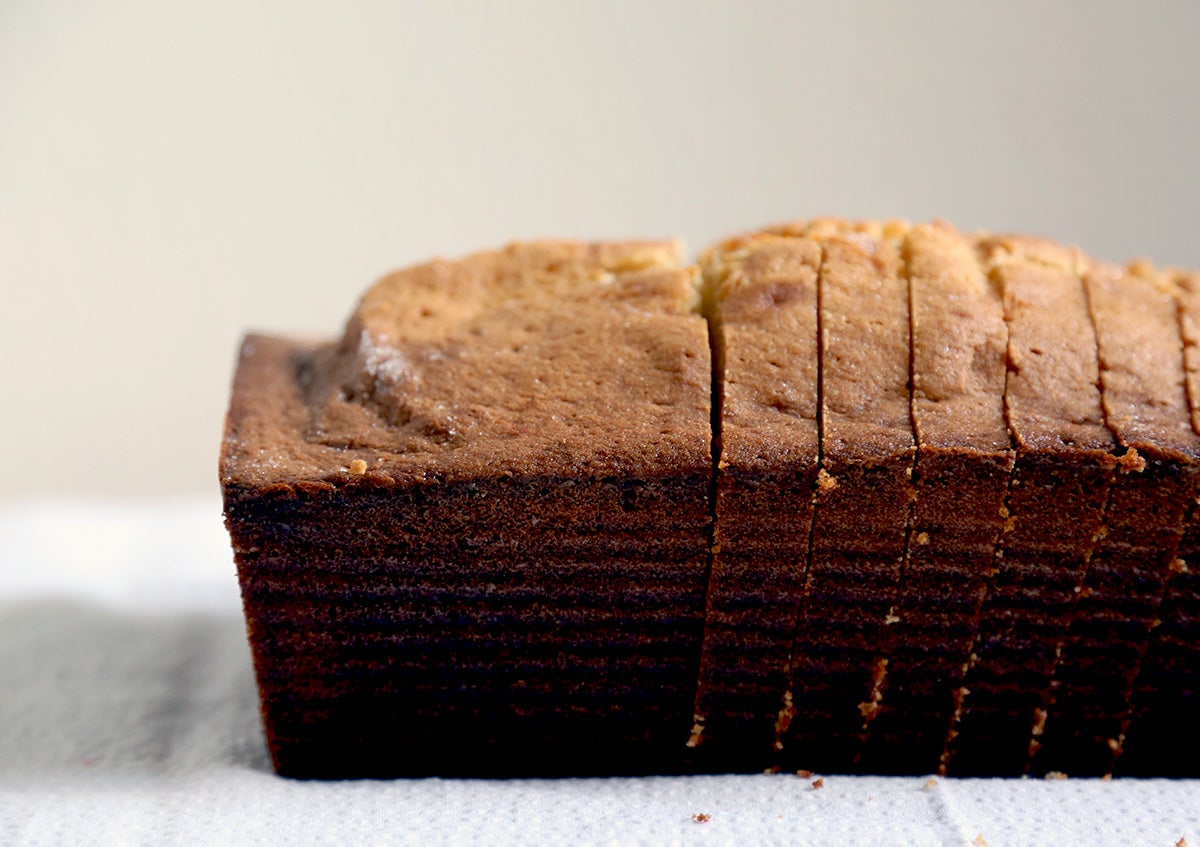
point(764, 300)
point(1141, 358)
point(865, 355)
point(543, 358)
point(1053, 394)
point(959, 341)
point(1185, 288)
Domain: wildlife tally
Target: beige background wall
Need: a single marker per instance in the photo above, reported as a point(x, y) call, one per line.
point(173, 173)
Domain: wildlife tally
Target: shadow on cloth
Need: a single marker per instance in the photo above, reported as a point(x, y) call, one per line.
point(88, 689)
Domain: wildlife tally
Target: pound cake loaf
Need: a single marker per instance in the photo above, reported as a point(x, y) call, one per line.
point(845, 497)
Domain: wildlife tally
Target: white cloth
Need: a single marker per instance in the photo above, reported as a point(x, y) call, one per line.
point(128, 716)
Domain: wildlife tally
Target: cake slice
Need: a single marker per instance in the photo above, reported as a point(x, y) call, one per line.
point(864, 494)
point(472, 537)
point(1145, 407)
point(761, 293)
point(1161, 736)
point(1055, 502)
point(961, 477)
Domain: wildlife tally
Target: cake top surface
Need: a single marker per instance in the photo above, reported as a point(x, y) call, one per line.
point(553, 359)
point(865, 332)
point(958, 342)
point(764, 291)
point(574, 359)
point(1052, 393)
point(1185, 286)
point(1142, 356)
point(761, 292)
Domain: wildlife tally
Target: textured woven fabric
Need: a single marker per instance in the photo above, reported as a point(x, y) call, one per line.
point(128, 716)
